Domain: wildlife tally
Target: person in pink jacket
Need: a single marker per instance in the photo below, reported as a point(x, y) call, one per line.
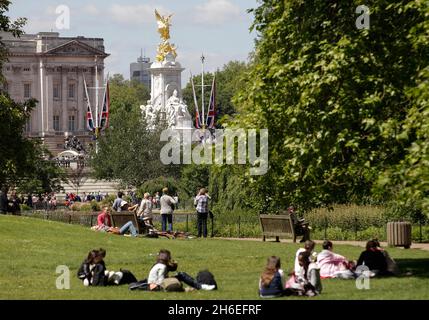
point(333, 265)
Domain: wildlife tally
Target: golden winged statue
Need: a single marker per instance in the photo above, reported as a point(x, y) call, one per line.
point(164, 30)
point(163, 25)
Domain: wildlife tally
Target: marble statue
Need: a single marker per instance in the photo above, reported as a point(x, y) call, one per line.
point(166, 107)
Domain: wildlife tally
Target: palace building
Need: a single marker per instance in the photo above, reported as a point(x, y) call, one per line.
point(52, 69)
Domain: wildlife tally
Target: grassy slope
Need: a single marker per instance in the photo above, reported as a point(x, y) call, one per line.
point(31, 249)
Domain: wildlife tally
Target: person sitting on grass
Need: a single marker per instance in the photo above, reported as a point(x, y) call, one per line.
point(307, 282)
point(373, 259)
point(93, 269)
point(271, 283)
point(333, 265)
point(104, 224)
point(308, 247)
point(392, 267)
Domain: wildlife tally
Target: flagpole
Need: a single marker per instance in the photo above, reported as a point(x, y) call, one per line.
point(197, 108)
point(202, 91)
point(96, 106)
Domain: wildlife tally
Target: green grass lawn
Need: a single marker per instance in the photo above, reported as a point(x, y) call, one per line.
point(31, 249)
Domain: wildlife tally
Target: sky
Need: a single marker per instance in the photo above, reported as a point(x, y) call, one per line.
point(217, 28)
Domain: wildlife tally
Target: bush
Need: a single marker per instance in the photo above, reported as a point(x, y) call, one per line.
point(347, 217)
point(76, 206)
point(90, 206)
point(398, 212)
point(108, 201)
point(156, 185)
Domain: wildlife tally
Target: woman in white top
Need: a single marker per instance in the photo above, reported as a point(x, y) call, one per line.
point(160, 270)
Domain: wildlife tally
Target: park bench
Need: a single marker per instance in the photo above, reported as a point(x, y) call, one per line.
point(120, 219)
point(281, 225)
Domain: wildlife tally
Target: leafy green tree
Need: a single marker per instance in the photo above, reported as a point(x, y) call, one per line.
point(194, 177)
point(126, 95)
point(334, 97)
point(130, 152)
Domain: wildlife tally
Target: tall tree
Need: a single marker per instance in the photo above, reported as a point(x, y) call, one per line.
point(334, 97)
point(128, 151)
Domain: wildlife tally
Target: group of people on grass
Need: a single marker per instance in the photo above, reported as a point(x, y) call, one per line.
point(145, 214)
point(310, 268)
point(93, 272)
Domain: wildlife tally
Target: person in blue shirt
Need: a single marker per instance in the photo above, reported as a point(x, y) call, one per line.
point(271, 283)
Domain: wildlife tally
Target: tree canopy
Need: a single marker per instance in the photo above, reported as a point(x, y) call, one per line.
point(345, 107)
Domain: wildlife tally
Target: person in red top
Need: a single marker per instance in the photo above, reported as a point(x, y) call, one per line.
point(103, 220)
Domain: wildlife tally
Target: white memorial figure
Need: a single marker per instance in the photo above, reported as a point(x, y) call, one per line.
point(174, 99)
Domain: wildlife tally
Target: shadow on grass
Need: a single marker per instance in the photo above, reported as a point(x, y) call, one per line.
point(418, 267)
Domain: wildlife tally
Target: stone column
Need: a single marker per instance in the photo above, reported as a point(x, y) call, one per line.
point(41, 100)
point(49, 103)
point(64, 95)
point(81, 105)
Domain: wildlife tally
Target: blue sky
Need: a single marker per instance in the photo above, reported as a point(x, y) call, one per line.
point(219, 28)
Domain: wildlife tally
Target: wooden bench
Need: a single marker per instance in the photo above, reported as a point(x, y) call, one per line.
point(277, 226)
point(120, 219)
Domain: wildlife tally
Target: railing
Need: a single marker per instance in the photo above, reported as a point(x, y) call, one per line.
point(235, 226)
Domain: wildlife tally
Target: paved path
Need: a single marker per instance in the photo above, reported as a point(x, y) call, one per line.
point(422, 246)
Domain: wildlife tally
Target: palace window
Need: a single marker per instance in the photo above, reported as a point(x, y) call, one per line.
point(57, 91)
point(72, 123)
point(72, 89)
point(57, 123)
point(27, 90)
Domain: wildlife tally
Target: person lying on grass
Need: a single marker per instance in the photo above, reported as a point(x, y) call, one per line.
point(93, 271)
point(334, 265)
point(158, 275)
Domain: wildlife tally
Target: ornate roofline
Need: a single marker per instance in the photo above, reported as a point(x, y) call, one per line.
point(96, 51)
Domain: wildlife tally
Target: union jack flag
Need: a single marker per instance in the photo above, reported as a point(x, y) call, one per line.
point(89, 120)
point(212, 107)
point(104, 119)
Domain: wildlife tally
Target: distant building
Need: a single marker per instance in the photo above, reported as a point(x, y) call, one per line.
point(139, 71)
point(51, 69)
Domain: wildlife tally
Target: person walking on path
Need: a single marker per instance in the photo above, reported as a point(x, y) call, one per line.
point(167, 208)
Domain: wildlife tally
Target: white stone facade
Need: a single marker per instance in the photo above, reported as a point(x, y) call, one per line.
point(51, 69)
